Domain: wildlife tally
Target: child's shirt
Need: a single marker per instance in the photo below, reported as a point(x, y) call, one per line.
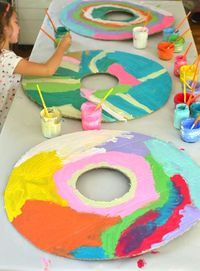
point(8, 82)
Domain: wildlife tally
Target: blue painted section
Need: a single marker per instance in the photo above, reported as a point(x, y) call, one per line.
point(84, 253)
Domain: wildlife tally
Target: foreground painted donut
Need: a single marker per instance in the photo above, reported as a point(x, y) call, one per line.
point(43, 204)
point(143, 85)
point(90, 18)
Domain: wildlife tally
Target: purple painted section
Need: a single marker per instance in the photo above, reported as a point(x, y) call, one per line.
point(190, 216)
point(123, 143)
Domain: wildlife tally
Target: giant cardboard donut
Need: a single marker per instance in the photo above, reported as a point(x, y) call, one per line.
point(89, 18)
point(44, 205)
point(143, 85)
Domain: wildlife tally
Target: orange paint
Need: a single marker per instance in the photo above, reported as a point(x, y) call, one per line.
point(165, 50)
point(58, 229)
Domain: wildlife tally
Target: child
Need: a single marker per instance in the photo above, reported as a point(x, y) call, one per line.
point(12, 66)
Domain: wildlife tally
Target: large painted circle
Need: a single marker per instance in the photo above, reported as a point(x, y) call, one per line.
point(144, 85)
point(89, 18)
point(43, 204)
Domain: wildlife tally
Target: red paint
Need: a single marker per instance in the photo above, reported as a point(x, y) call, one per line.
point(179, 98)
point(141, 263)
point(154, 252)
point(165, 50)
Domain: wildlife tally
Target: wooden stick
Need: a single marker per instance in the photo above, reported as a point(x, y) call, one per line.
point(51, 21)
point(187, 50)
point(179, 25)
point(49, 36)
point(146, 21)
point(184, 89)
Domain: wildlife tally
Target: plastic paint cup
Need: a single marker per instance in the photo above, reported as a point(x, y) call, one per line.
point(169, 31)
point(195, 109)
point(51, 125)
point(187, 134)
point(189, 71)
point(180, 113)
point(179, 45)
point(140, 37)
point(179, 98)
point(59, 34)
point(91, 117)
point(180, 60)
point(165, 50)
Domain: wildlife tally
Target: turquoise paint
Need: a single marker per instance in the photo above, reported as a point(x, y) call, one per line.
point(92, 253)
point(173, 161)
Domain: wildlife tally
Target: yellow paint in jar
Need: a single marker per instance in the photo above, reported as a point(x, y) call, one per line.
point(51, 124)
point(189, 71)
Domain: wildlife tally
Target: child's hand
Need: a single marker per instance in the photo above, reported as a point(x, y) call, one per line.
point(66, 41)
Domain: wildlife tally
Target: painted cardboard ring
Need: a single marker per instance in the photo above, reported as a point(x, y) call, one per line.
point(143, 85)
point(44, 205)
point(90, 18)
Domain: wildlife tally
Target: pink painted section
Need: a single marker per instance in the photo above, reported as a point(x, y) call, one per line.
point(144, 192)
point(117, 36)
point(124, 77)
point(71, 59)
point(166, 22)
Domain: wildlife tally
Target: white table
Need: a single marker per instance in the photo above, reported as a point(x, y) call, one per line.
point(22, 131)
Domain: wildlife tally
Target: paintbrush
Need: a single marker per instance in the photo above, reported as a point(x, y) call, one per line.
point(51, 21)
point(42, 100)
point(180, 24)
point(103, 99)
point(195, 122)
point(49, 36)
point(187, 50)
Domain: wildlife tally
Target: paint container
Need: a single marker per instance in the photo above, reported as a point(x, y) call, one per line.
point(187, 134)
point(90, 116)
point(180, 113)
point(140, 37)
point(169, 31)
point(189, 71)
point(180, 60)
point(179, 98)
point(197, 88)
point(165, 50)
point(51, 125)
point(195, 109)
point(59, 34)
point(179, 45)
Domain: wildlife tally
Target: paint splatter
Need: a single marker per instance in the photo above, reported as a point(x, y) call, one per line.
point(46, 264)
point(141, 263)
point(154, 252)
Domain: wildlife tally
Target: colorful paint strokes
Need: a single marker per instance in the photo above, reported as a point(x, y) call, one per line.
point(91, 18)
point(143, 85)
point(44, 205)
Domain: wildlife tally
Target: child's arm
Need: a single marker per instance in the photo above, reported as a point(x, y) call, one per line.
point(26, 67)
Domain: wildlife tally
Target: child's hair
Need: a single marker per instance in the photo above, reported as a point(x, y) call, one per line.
point(6, 11)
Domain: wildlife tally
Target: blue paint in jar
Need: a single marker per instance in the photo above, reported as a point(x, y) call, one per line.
point(187, 134)
point(191, 83)
point(169, 32)
point(180, 113)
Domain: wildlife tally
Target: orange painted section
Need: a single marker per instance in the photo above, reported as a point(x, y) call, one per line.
point(58, 229)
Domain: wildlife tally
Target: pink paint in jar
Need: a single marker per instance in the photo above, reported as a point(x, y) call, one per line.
point(180, 60)
point(91, 116)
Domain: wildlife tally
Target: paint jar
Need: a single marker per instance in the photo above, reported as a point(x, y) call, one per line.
point(169, 31)
point(180, 60)
point(165, 50)
point(179, 45)
point(51, 124)
point(187, 134)
point(140, 37)
point(179, 98)
point(189, 71)
point(180, 113)
point(195, 109)
point(191, 84)
point(59, 34)
point(90, 116)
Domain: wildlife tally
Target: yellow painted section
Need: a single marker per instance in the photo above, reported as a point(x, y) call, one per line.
point(33, 180)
